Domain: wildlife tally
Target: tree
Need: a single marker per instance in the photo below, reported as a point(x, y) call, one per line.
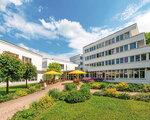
point(30, 72)
point(55, 67)
point(147, 36)
point(11, 69)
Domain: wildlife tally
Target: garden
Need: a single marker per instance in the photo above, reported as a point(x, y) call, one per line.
point(111, 101)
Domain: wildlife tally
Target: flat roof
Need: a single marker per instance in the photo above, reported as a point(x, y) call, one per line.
point(135, 24)
point(4, 41)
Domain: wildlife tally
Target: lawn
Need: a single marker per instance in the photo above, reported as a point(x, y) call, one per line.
point(98, 108)
point(12, 89)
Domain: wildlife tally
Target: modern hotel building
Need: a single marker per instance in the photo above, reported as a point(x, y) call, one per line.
point(122, 56)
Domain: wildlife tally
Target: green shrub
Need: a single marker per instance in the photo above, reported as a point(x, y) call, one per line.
point(85, 91)
point(4, 98)
point(32, 89)
point(132, 87)
point(70, 86)
point(21, 93)
point(146, 88)
point(74, 97)
point(96, 85)
point(111, 92)
point(142, 97)
point(121, 86)
point(27, 114)
point(54, 93)
point(111, 86)
point(104, 85)
point(63, 95)
point(44, 103)
point(124, 96)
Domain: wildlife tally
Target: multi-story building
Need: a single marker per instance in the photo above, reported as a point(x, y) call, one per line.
point(24, 55)
point(66, 66)
point(78, 59)
point(121, 56)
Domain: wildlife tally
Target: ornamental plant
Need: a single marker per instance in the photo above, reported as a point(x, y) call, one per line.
point(122, 86)
point(111, 92)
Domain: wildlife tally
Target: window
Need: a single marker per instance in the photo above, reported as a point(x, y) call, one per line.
point(112, 51)
point(113, 40)
point(121, 37)
point(133, 45)
point(136, 73)
point(117, 50)
point(132, 59)
point(121, 49)
point(130, 73)
point(121, 60)
point(109, 52)
point(102, 63)
point(143, 57)
point(26, 59)
point(109, 62)
point(102, 53)
point(106, 62)
point(113, 62)
point(137, 57)
point(117, 61)
point(126, 35)
point(126, 59)
point(142, 73)
point(117, 38)
point(125, 47)
point(106, 52)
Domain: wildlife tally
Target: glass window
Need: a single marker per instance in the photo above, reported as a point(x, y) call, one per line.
point(109, 52)
point(126, 35)
point(137, 57)
point(121, 49)
point(109, 62)
point(133, 45)
point(112, 51)
point(113, 62)
point(142, 73)
point(113, 40)
point(132, 59)
point(106, 62)
point(125, 74)
point(117, 61)
point(130, 73)
point(117, 38)
point(125, 47)
point(136, 73)
point(121, 60)
point(117, 50)
point(126, 59)
point(143, 57)
point(121, 37)
point(102, 53)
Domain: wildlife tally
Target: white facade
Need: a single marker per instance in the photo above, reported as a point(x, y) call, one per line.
point(23, 54)
point(77, 59)
point(66, 66)
point(122, 56)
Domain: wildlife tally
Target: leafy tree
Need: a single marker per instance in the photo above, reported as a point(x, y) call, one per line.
point(55, 67)
point(11, 69)
point(30, 72)
point(147, 36)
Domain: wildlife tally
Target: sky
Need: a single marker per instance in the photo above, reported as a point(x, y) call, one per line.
point(61, 28)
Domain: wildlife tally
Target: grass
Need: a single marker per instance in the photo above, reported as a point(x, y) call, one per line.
point(12, 89)
point(98, 108)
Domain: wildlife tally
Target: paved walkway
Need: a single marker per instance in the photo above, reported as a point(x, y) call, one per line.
point(7, 109)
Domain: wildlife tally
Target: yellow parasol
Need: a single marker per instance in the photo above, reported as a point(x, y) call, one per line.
point(77, 72)
point(52, 73)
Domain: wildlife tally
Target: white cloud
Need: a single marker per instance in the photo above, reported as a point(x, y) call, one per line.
point(29, 29)
point(143, 21)
point(23, 46)
point(131, 9)
point(5, 3)
point(19, 35)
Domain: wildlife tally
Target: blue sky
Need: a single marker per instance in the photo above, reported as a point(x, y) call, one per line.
point(62, 27)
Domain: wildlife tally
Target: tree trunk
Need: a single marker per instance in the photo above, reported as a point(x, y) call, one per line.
point(7, 86)
point(26, 83)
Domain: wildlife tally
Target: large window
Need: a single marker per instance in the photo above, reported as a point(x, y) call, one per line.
point(126, 59)
point(126, 35)
point(125, 47)
point(137, 57)
point(117, 38)
point(143, 57)
point(131, 58)
point(142, 73)
point(121, 60)
point(133, 45)
point(121, 37)
point(117, 50)
point(113, 62)
point(26, 59)
point(117, 61)
point(121, 49)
